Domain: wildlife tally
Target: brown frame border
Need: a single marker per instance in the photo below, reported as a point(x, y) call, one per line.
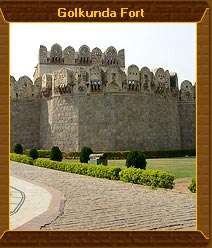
point(116, 238)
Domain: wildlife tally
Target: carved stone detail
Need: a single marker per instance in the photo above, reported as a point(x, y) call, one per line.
point(187, 91)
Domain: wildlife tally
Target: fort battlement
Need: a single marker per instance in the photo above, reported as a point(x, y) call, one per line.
point(84, 56)
point(90, 98)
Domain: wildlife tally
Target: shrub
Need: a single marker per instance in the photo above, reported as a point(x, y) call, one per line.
point(41, 153)
point(44, 153)
point(84, 154)
point(152, 178)
point(56, 154)
point(18, 148)
point(21, 158)
point(192, 186)
point(33, 153)
point(101, 171)
point(136, 159)
point(72, 155)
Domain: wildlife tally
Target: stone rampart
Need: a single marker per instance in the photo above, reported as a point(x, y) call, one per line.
point(90, 100)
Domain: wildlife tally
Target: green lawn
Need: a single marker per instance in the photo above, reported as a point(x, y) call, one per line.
point(180, 167)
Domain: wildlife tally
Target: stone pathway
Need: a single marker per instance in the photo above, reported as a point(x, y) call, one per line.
point(17, 198)
point(26, 202)
point(100, 204)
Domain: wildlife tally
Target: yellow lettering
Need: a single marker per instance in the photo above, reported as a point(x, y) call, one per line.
point(71, 13)
point(61, 12)
point(123, 11)
point(142, 13)
point(132, 13)
point(113, 14)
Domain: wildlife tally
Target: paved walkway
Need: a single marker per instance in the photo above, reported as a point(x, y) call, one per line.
point(32, 205)
point(26, 203)
point(100, 204)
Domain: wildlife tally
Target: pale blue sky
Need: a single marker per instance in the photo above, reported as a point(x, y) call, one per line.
point(167, 45)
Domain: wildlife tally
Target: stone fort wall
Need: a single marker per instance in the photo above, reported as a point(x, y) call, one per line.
point(101, 104)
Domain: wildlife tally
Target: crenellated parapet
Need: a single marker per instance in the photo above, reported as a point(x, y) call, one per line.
point(24, 89)
point(84, 56)
point(95, 79)
point(67, 72)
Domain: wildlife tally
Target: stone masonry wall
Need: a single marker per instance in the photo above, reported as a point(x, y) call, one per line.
point(126, 122)
point(59, 123)
point(25, 123)
point(187, 119)
point(104, 122)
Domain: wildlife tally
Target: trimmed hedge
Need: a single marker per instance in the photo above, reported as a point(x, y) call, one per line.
point(148, 154)
point(44, 153)
point(41, 153)
point(170, 153)
point(192, 186)
point(101, 171)
point(123, 154)
point(21, 158)
point(152, 178)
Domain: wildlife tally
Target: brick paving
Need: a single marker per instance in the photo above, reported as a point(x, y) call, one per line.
point(101, 204)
